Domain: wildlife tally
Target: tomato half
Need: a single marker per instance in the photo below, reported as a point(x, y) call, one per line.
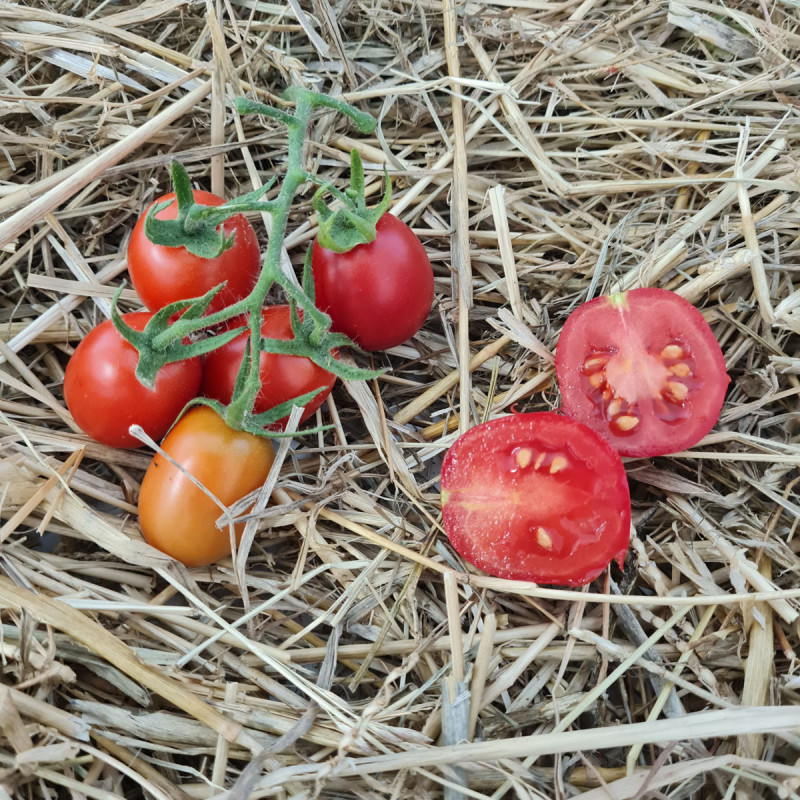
point(379, 293)
point(162, 275)
point(175, 515)
point(643, 369)
point(104, 396)
point(536, 497)
point(282, 377)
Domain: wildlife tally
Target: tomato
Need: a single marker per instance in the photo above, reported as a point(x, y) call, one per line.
point(176, 516)
point(162, 275)
point(379, 293)
point(536, 497)
point(282, 377)
point(643, 370)
point(104, 396)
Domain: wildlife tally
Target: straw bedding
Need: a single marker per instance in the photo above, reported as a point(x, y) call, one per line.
point(545, 153)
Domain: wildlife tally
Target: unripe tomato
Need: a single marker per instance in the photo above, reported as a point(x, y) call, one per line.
point(104, 396)
point(175, 515)
point(162, 275)
point(282, 377)
point(379, 293)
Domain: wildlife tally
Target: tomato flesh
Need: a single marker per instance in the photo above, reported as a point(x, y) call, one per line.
point(536, 497)
point(163, 275)
point(643, 370)
point(282, 377)
point(104, 396)
point(176, 516)
point(379, 293)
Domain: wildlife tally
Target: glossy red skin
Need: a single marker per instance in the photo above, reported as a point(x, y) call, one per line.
point(176, 516)
point(380, 293)
point(635, 328)
point(282, 377)
point(104, 396)
point(162, 275)
point(498, 491)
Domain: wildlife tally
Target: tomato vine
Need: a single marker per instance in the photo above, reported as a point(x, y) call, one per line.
point(186, 329)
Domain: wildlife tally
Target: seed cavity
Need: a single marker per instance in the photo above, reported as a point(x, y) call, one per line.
point(543, 539)
point(672, 351)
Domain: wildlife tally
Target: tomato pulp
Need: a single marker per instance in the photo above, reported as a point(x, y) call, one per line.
point(104, 396)
point(642, 369)
point(379, 293)
point(536, 497)
point(282, 377)
point(176, 516)
point(163, 275)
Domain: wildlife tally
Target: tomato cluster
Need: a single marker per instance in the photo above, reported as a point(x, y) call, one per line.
point(543, 497)
point(540, 497)
point(193, 263)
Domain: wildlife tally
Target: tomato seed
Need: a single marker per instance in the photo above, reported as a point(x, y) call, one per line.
point(680, 370)
point(672, 351)
point(539, 460)
point(626, 422)
point(543, 539)
point(597, 379)
point(678, 390)
point(523, 457)
point(595, 362)
point(614, 407)
point(557, 464)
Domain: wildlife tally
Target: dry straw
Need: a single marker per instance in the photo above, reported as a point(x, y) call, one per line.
point(545, 153)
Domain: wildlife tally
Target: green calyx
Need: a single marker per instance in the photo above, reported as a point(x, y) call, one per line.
point(353, 223)
point(196, 227)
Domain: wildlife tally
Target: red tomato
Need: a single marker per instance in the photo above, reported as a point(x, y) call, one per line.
point(379, 293)
point(536, 497)
point(643, 370)
point(175, 515)
point(282, 377)
point(161, 275)
point(104, 397)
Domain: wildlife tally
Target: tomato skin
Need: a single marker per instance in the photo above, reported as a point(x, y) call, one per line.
point(536, 497)
point(175, 515)
point(643, 369)
point(282, 377)
point(162, 275)
point(104, 396)
point(379, 293)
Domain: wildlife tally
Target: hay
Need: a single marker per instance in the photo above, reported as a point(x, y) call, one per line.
point(545, 153)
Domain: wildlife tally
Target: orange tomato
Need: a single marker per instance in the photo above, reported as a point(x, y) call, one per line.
point(175, 515)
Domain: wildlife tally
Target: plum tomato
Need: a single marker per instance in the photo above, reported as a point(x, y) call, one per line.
point(162, 275)
point(175, 515)
point(282, 377)
point(104, 396)
point(379, 293)
point(536, 497)
point(642, 369)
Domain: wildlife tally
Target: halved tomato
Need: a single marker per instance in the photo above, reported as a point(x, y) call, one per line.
point(641, 368)
point(536, 497)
